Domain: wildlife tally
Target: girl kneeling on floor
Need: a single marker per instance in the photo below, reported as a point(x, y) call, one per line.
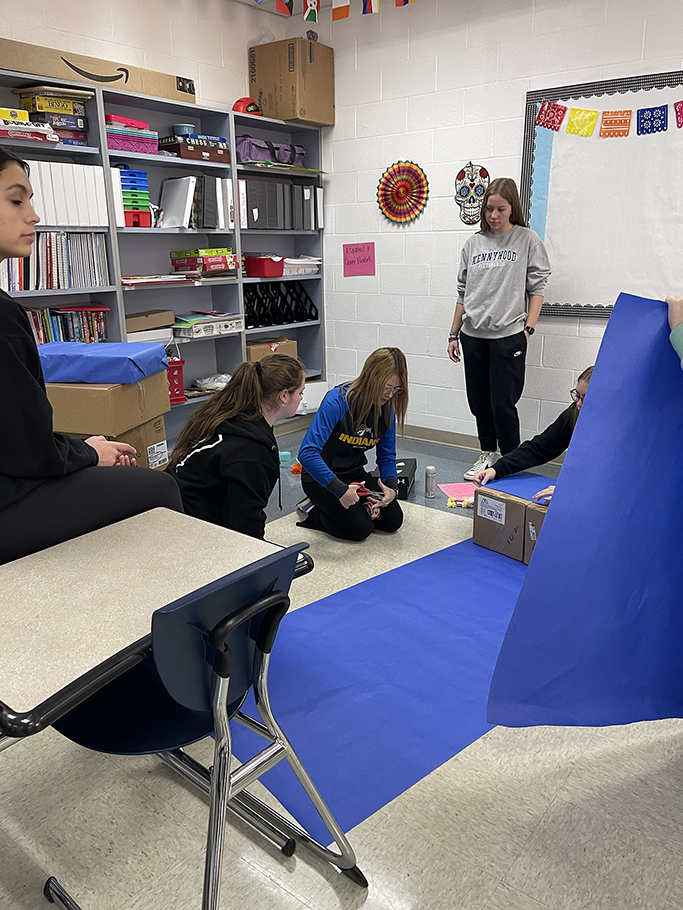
point(354, 417)
point(226, 460)
point(546, 446)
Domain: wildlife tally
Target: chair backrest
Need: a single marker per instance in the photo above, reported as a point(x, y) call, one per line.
point(180, 645)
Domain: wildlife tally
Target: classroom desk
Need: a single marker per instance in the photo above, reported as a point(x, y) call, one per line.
point(67, 609)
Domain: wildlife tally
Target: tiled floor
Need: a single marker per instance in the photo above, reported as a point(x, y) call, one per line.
point(544, 818)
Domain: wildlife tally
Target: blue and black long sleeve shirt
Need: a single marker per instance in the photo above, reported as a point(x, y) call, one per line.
point(333, 451)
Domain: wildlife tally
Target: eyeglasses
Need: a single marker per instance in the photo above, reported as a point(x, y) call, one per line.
point(577, 396)
point(392, 389)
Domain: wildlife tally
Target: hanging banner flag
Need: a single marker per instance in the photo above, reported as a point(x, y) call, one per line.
point(370, 6)
point(615, 123)
point(311, 10)
point(340, 9)
point(678, 107)
point(404, 2)
point(581, 122)
point(653, 119)
point(284, 7)
point(551, 115)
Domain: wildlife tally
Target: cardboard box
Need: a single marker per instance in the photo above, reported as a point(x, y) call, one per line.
point(257, 350)
point(209, 329)
point(45, 61)
point(149, 319)
point(535, 516)
point(499, 522)
point(149, 441)
point(293, 80)
point(107, 409)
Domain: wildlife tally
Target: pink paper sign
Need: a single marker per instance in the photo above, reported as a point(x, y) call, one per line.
point(458, 490)
point(359, 259)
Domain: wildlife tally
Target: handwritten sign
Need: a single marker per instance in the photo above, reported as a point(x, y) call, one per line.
point(359, 259)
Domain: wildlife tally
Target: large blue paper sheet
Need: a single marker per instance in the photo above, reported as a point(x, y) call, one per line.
point(597, 633)
point(378, 685)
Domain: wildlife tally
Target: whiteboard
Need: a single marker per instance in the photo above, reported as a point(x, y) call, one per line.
point(610, 210)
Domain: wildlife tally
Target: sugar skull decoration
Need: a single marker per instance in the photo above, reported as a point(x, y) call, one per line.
point(470, 185)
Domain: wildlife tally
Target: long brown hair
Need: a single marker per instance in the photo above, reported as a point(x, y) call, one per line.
point(584, 377)
point(507, 188)
point(252, 385)
point(363, 394)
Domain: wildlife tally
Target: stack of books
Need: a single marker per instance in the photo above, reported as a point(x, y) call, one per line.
point(59, 260)
point(54, 110)
point(80, 323)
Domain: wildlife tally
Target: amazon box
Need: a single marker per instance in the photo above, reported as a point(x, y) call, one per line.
point(107, 409)
point(535, 516)
point(293, 80)
point(44, 61)
point(499, 522)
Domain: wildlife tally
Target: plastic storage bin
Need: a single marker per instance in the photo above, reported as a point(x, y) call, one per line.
point(264, 266)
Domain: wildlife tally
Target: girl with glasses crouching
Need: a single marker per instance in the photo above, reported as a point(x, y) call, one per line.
point(354, 417)
point(547, 445)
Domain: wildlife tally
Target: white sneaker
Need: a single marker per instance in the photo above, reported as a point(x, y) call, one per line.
point(305, 506)
point(485, 460)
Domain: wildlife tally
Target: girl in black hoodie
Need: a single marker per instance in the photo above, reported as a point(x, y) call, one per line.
point(226, 460)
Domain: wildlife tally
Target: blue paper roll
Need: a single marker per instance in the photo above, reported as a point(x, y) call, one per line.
point(596, 637)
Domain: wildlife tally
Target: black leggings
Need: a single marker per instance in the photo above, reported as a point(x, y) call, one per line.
point(66, 507)
point(494, 379)
point(353, 523)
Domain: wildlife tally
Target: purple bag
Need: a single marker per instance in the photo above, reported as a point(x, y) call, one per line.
point(249, 149)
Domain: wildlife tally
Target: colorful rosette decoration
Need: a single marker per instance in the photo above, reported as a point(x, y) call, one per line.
point(403, 191)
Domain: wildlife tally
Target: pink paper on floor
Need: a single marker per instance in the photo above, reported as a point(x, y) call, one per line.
point(458, 490)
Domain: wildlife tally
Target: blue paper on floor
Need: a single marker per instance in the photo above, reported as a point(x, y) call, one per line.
point(597, 634)
point(378, 685)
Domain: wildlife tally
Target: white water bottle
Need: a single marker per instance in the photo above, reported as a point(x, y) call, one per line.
point(430, 482)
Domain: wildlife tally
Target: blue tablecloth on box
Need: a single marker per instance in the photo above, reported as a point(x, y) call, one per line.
point(73, 361)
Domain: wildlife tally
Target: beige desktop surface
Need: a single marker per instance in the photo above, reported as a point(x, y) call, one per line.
point(66, 609)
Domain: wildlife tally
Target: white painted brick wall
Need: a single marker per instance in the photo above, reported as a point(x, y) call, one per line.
point(438, 82)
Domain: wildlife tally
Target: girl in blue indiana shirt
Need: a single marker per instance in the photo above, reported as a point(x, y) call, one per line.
point(353, 418)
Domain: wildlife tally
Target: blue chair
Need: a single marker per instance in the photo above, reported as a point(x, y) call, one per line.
point(189, 678)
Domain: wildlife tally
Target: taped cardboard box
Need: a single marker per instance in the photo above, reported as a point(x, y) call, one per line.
point(257, 350)
point(293, 80)
point(499, 520)
point(107, 409)
point(533, 521)
point(148, 440)
point(149, 319)
point(45, 61)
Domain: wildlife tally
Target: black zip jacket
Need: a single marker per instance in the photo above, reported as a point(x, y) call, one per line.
point(30, 452)
point(228, 479)
point(553, 441)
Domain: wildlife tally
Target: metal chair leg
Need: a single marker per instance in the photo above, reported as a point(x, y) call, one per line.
point(220, 782)
point(54, 892)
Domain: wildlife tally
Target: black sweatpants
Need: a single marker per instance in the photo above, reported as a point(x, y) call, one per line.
point(66, 507)
point(353, 523)
point(494, 379)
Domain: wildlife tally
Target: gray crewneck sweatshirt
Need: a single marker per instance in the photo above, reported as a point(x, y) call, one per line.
point(497, 275)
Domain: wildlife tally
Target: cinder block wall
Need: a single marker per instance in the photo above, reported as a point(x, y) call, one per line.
point(441, 82)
